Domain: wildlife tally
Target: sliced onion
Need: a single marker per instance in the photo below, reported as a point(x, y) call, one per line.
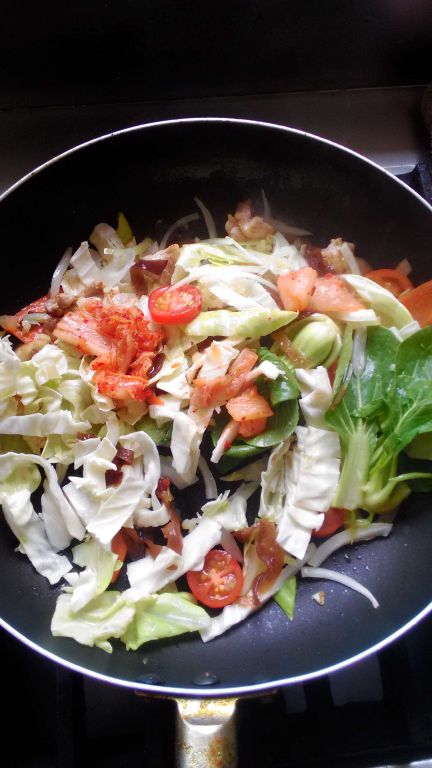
point(343, 538)
point(347, 581)
point(350, 259)
point(207, 272)
point(59, 272)
point(229, 544)
point(289, 231)
point(266, 206)
point(154, 248)
point(167, 470)
point(363, 265)
point(359, 351)
point(184, 221)
point(208, 218)
point(404, 266)
point(227, 437)
point(210, 486)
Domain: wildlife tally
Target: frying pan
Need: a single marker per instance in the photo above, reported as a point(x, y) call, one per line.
point(152, 173)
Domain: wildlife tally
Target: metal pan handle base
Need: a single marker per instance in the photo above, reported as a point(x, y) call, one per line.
point(205, 733)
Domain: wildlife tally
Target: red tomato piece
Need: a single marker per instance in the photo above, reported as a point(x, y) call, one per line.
point(220, 581)
point(252, 427)
point(296, 287)
point(395, 282)
point(175, 306)
point(243, 363)
point(332, 294)
point(334, 519)
point(419, 303)
point(12, 323)
point(120, 547)
point(248, 405)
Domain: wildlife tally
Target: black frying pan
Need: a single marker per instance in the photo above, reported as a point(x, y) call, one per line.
point(151, 173)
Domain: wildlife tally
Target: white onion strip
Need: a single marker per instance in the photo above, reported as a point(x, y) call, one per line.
point(359, 351)
point(343, 538)
point(350, 259)
point(184, 221)
point(266, 206)
point(59, 272)
point(290, 232)
point(196, 274)
point(210, 486)
point(167, 470)
point(208, 218)
point(404, 266)
point(347, 581)
point(229, 544)
point(227, 436)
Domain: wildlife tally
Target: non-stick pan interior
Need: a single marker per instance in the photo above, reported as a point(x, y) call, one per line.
point(152, 174)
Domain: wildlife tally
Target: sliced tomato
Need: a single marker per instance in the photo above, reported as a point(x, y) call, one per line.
point(296, 287)
point(243, 363)
point(119, 546)
point(175, 306)
point(12, 323)
point(334, 519)
point(332, 294)
point(220, 581)
point(252, 427)
point(248, 405)
point(419, 303)
point(395, 282)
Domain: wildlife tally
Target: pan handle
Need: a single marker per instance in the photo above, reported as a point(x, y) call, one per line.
point(205, 733)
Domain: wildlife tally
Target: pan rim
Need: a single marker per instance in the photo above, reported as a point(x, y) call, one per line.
point(173, 691)
point(203, 119)
point(168, 691)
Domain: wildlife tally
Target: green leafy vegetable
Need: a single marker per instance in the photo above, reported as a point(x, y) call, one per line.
point(164, 615)
point(279, 426)
point(286, 595)
point(285, 387)
point(105, 617)
point(344, 361)
point(239, 453)
point(389, 309)
point(421, 446)
point(317, 338)
point(383, 410)
point(248, 323)
point(160, 435)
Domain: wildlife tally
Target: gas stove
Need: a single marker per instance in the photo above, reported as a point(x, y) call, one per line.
point(375, 713)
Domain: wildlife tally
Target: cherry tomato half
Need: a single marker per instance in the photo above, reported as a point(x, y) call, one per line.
point(395, 282)
point(220, 581)
point(334, 519)
point(174, 306)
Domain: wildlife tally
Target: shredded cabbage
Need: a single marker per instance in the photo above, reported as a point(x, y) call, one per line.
point(103, 425)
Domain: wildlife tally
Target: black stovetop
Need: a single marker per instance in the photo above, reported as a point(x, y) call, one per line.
point(376, 713)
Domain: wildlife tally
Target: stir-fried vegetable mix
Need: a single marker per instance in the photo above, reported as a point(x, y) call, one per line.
point(295, 390)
